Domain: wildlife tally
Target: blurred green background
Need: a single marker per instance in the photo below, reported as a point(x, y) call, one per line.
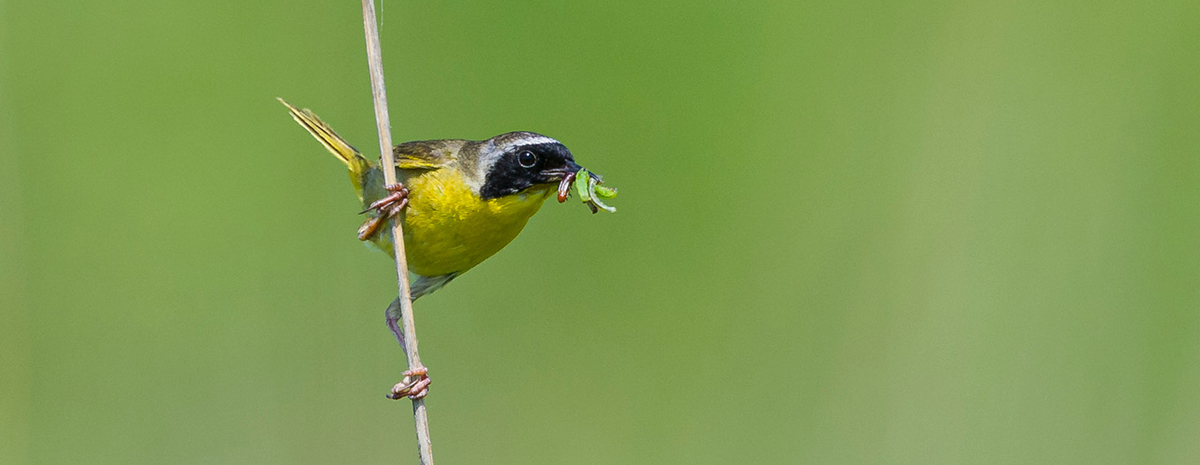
point(849, 232)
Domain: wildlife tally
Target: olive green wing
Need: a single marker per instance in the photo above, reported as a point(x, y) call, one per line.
point(412, 158)
point(427, 154)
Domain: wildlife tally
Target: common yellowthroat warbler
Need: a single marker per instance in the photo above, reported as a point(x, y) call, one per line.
point(459, 202)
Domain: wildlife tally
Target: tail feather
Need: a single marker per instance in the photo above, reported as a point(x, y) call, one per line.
point(358, 165)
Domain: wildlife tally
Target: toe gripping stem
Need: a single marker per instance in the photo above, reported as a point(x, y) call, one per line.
point(415, 385)
point(386, 208)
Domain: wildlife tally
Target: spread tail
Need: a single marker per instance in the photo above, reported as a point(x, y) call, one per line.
point(341, 149)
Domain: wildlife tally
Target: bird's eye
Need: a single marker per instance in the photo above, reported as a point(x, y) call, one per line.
point(527, 159)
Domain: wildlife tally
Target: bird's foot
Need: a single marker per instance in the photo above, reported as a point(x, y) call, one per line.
point(415, 385)
point(387, 207)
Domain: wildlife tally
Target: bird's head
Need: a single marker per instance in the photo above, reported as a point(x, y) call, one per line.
point(514, 162)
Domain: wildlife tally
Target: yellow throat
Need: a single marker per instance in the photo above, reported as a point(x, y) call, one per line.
point(450, 229)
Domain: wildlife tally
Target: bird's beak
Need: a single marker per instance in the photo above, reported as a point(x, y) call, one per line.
point(558, 174)
point(570, 168)
point(565, 177)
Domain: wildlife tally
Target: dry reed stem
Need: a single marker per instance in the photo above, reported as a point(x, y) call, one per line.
point(375, 63)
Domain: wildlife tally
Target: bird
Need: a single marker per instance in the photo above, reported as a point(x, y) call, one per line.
point(458, 201)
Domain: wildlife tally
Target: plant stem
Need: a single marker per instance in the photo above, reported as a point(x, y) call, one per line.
point(378, 92)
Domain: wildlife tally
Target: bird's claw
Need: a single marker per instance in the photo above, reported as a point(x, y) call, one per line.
point(393, 203)
point(387, 207)
point(415, 385)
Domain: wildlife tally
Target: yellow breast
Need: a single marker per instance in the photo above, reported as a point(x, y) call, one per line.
point(448, 229)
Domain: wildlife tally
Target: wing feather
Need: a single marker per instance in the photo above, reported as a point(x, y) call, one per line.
point(426, 154)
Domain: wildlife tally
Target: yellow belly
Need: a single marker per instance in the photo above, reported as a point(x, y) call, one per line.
point(449, 229)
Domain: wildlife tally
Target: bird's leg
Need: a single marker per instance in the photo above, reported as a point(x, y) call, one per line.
point(415, 384)
point(387, 207)
point(392, 204)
